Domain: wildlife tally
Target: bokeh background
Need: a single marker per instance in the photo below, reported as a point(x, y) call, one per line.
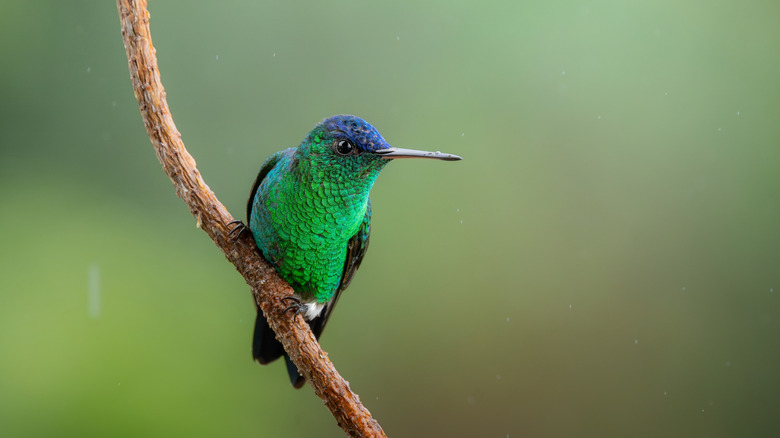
point(604, 262)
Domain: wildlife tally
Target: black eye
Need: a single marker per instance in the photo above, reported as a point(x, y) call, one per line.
point(344, 147)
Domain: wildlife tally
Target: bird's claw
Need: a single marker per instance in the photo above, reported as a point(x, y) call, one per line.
point(237, 230)
point(296, 305)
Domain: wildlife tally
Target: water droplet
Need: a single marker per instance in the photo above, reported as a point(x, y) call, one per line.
point(737, 112)
point(507, 319)
point(728, 364)
point(89, 69)
point(113, 103)
point(274, 55)
point(666, 93)
point(563, 73)
point(664, 393)
point(398, 38)
point(683, 288)
point(217, 57)
point(636, 341)
point(771, 290)
point(720, 129)
point(569, 306)
point(498, 376)
point(462, 134)
point(599, 117)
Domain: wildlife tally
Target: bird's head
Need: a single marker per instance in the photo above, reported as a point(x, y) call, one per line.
point(350, 143)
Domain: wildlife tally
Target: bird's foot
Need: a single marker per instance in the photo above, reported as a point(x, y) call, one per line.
point(296, 305)
point(237, 230)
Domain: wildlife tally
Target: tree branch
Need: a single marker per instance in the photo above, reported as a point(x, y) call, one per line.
point(267, 287)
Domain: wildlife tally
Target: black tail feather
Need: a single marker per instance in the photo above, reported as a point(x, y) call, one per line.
point(266, 349)
point(296, 379)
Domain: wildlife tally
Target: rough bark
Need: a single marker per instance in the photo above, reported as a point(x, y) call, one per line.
point(212, 217)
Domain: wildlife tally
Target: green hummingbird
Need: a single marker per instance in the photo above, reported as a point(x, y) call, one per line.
point(310, 216)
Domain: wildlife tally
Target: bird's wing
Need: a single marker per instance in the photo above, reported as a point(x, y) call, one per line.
point(269, 164)
point(356, 249)
point(265, 347)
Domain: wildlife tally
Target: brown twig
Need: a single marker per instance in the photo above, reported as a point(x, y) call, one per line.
point(268, 288)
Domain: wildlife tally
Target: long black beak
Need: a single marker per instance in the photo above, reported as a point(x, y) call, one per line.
point(392, 153)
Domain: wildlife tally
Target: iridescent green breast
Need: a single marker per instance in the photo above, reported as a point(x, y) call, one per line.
point(303, 214)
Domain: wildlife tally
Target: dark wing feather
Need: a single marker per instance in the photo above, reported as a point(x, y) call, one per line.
point(269, 164)
point(265, 347)
point(356, 249)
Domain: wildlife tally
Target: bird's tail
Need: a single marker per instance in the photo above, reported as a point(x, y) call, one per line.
point(266, 349)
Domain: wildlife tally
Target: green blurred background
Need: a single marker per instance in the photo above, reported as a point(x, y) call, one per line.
point(604, 262)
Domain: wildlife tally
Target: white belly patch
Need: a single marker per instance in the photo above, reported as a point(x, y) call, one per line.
point(312, 310)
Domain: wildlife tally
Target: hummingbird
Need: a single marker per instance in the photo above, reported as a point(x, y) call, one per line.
point(310, 215)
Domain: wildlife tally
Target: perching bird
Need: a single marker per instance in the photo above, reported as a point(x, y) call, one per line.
point(310, 216)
